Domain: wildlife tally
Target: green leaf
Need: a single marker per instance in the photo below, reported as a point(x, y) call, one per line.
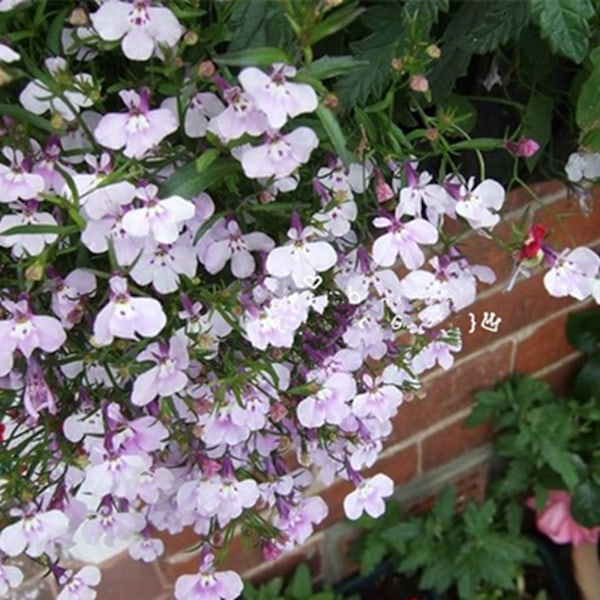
point(206, 159)
point(336, 21)
point(583, 330)
point(20, 115)
point(300, 587)
point(41, 229)
point(587, 381)
point(53, 40)
point(372, 554)
point(335, 134)
point(585, 504)
point(588, 103)
point(590, 141)
point(537, 123)
point(187, 182)
point(565, 23)
point(331, 66)
point(479, 144)
point(562, 462)
point(262, 57)
point(426, 11)
point(444, 507)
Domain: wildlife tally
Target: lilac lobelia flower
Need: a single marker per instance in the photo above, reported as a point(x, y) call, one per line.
point(142, 27)
point(26, 332)
point(26, 244)
point(478, 205)
point(33, 532)
point(160, 219)
point(368, 497)
point(68, 294)
point(38, 396)
point(7, 54)
point(16, 181)
point(202, 107)
point(281, 155)
point(126, 317)
point(330, 403)
point(209, 584)
point(228, 243)
point(167, 377)
point(402, 239)
point(301, 258)
point(78, 586)
point(10, 578)
point(139, 130)
point(277, 97)
point(573, 272)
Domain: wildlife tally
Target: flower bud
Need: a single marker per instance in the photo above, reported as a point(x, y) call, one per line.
point(34, 272)
point(331, 101)
point(190, 38)
point(432, 134)
point(397, 64)
point(207, 68)
point(57, 122)
point(419, 83)
point(433, 51)
point(79, 18)
point(524, 148)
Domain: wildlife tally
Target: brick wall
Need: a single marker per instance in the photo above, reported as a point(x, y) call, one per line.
point(429, 445)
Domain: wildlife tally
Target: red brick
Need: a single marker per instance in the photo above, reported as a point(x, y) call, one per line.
point(449, 443)
point(125, 578)
point(451, 391)
point(547, 344)
point(400, 466)
point(527, 303)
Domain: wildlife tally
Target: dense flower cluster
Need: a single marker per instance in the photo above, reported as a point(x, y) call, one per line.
point(172, 359)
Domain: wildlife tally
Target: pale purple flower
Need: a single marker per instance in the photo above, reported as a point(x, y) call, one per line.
point(26, 244)
point(162, 265)
point(69, 294)
point(33, 532)
point(241, 116)
point(108, 525)
point(368, 497)
point(227, 242)
point(583, 165)
point(37, 396)
point(202, 107)
point(438, 351)
point(146, 549)
point(6, 5)
point(75, 139)
point(402, 239)
point(479, 205)
point(280, 155)
point(277, 97)
point(7, 54)
point(141, 27)
point(26, 332)
point(10, 578)
point(301, 258)
point(298, 521)
point(336, 220)
point(16, 181)
point(138, 130)
point(380, 401)
point(161, 219)
point(125, 316)
point(573, 273)
point(48, 165)
point(78, 586)
point(37, 98)
point(209, 584)
point(330, 404)
point(167, 377)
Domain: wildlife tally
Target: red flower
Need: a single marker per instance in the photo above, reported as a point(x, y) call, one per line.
point(533, 244)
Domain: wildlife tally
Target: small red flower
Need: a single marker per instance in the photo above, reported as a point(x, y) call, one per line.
point(533, 244)
point(2, 429)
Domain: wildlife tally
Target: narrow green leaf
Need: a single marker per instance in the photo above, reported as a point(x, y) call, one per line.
point(42, 229)
point(206, 159)
point(20, 115)
point(479, 144)
point(188, 182)
point(331, 66)
point(262, 57)
point(53, 41)
point(335, 134)
point(537, 123)
point(588, 103)
point(336, 21)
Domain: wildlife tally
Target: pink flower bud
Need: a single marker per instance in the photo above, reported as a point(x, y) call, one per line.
point(524, 148)
point(419, 83)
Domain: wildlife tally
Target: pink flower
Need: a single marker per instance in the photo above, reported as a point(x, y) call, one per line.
point(277, 97)
point(556, 522)
point(139, 130)
point(281, 155)
point(126, 317)
point(16, 182)
point(26, 332)
point(368, 497)
point(167, 377)
point(142, 27)
point(524, 148)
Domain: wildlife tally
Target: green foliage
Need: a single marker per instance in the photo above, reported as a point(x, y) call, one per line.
point(299, 588)
point(467, 550)
point(566, 25)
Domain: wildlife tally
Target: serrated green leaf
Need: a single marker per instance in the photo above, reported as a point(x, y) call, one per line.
point(565, 23)
point(561, 461)
point(373, 552)
point(444, 507)
point(587, 381)
point(262, 57)
point(300, 587)
point(585, 504)
point(426, 11)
